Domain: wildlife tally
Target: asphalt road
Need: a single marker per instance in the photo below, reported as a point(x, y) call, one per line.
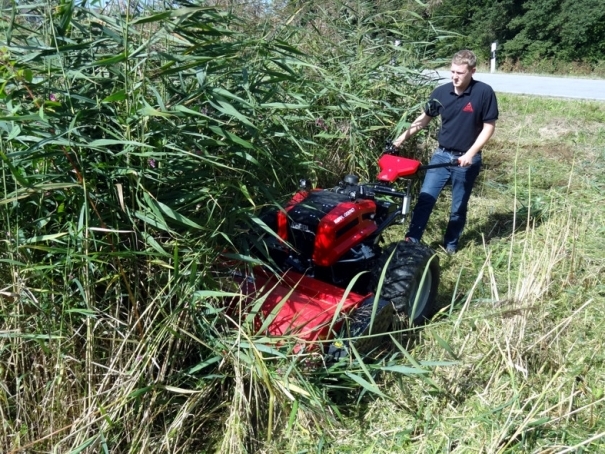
point(557, 87)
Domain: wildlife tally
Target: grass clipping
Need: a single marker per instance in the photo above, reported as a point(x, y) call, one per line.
point(525, 337)
point(526, 347)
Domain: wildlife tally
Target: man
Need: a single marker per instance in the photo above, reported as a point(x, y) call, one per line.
point(468, 110)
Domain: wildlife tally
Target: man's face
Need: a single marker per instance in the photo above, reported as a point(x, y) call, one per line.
point(461, 76)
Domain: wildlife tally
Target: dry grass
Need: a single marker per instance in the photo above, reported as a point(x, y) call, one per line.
point(526, 314)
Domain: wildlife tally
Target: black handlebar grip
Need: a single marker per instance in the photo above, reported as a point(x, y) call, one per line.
point(390, 148)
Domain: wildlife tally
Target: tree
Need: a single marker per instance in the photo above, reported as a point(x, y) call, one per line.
point(478, 23)
point(536, 31)
point(582, 25)
point(528, 30)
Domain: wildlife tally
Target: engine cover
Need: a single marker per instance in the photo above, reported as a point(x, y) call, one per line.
point(324, 225)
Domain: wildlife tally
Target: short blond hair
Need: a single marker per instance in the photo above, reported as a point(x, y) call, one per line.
point(465, 57)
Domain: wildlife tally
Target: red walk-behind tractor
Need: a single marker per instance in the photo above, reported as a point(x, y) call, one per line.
point(333, 284)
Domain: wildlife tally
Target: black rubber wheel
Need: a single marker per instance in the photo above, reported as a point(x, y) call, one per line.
point(356, 329)
point(406, 284)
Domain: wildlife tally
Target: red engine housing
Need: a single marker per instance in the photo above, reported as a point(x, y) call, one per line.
point(330, 223)
point(323, 225)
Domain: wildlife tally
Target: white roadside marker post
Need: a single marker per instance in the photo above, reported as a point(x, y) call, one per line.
point(492, 66)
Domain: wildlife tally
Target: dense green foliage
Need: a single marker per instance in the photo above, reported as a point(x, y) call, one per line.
point(135, 150)
point(568, 30)
point(527, 30)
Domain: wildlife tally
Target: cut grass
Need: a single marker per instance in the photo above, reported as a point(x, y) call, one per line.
point(527, 313)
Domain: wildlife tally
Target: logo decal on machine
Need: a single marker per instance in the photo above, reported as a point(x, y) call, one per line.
point(297, 226)
point(341, 218)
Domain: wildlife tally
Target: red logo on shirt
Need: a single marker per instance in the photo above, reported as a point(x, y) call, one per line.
point(468, 108)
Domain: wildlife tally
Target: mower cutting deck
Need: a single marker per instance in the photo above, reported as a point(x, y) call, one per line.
point(300, 305)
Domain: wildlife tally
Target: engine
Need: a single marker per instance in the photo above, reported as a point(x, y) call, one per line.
point(324, 225)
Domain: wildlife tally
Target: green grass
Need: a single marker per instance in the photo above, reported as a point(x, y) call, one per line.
point(526, 304)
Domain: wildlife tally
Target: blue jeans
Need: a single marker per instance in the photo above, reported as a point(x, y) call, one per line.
point(462, 180)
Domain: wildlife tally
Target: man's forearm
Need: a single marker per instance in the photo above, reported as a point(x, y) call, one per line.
point(467, 158)
point(417, 125)
point(484, 136)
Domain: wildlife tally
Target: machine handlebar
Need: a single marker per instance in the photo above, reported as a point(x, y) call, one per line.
point(389, 148)
point(452, 163)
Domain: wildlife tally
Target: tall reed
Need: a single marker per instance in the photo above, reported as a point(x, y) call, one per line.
point(136, 148)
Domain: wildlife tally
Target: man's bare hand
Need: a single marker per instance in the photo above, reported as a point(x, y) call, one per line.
point(465, 160)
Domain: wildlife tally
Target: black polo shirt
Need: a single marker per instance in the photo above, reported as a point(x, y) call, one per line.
point(462, 116)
